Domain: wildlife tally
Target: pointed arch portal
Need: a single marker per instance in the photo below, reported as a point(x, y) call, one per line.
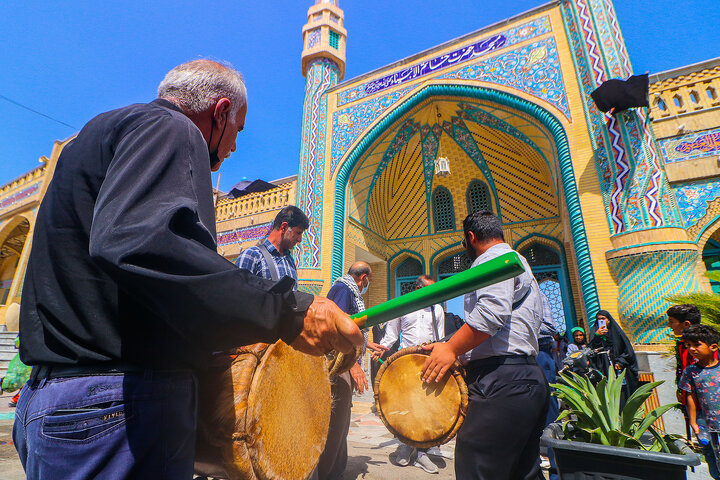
point(456, 128)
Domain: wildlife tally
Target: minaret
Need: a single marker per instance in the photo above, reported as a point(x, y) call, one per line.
point(323, 65)
point(652, 257)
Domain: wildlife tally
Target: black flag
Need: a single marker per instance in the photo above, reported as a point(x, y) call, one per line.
point(619, 95)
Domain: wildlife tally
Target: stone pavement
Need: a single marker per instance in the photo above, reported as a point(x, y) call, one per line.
point(371, 449)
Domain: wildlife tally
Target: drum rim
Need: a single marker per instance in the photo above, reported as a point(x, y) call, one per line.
point(455, 371)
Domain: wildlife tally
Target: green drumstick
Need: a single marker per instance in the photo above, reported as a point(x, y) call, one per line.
point(496, 270)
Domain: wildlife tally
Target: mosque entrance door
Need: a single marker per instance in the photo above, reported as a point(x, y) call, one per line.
point(550, 275)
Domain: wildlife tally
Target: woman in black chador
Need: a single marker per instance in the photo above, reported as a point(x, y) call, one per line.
point(622, 356)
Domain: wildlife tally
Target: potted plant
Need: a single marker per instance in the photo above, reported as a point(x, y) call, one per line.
point(599, 438)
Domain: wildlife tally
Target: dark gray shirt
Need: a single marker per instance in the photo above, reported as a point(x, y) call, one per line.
point(489, 310)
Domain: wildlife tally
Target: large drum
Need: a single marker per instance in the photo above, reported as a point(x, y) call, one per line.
point(417, 413)
point(263, 415)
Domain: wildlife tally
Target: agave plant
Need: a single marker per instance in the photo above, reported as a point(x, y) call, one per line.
point(598, 417)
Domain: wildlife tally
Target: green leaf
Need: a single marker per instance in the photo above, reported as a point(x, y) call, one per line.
point(650, 418)
point(634, 404)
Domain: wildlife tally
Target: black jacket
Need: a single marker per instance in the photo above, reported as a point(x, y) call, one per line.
point(124, 264)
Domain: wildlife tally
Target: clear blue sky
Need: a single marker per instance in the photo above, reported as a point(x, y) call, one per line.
point(73, 60)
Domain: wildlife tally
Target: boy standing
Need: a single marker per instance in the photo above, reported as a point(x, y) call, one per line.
point(681, 317)
point(702, 380)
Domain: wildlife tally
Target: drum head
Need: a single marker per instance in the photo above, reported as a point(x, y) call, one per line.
point(288, 414)
point(419, 414)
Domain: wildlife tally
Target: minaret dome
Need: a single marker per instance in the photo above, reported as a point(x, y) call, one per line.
point(324, 35)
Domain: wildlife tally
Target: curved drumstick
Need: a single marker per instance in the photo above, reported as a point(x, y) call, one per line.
point(496, 270)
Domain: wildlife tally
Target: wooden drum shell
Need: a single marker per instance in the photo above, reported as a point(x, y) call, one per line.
point(263, 415)
point(419, 414)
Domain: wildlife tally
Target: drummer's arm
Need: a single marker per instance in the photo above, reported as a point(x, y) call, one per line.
point(444, 355)
point(493, 308)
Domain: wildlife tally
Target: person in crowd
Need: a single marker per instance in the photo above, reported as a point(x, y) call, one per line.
point(560, 349)
point(701, 381)
point(273, 259)
point(347, 292)
point(621, 356)
point(546, 361)
point(578, 340)
point(125, 295)
point(423, 326)
point(680, 317)
point(508, 392)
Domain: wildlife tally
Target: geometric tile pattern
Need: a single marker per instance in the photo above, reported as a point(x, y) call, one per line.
point(321, 75)
point(644, 281)
point(310, 286)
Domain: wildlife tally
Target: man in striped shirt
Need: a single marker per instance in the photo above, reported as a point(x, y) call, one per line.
point(272, 259)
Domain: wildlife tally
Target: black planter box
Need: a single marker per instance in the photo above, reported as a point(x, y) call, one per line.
point(588, 461)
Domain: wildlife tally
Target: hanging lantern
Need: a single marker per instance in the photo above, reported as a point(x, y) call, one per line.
point(442, 164)
point(442, 167)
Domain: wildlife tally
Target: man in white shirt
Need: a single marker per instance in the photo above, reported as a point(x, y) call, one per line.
point(423, 326)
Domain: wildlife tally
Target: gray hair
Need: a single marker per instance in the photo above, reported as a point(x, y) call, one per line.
point(199, 84)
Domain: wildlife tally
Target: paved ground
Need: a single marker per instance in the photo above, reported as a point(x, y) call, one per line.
point(371, 449)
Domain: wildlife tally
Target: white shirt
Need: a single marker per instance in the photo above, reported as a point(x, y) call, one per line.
point(416, 328)
point(513, 331)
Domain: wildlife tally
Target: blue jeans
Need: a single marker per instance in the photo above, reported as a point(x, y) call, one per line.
point(131, 426)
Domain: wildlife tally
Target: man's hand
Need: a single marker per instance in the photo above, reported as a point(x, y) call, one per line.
point(327, 328)
point(359, 381)
point(438, 363)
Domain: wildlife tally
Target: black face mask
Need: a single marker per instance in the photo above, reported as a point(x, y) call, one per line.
point(214, 159)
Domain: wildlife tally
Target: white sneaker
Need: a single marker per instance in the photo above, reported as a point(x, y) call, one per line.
point(435, 451)
point(424, 462)
point(404, 452)
point(544, 462)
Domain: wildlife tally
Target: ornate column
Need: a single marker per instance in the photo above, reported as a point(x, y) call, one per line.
point(652, 256)
point(323, 65)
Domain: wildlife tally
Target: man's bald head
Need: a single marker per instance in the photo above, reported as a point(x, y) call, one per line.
point(360, 268)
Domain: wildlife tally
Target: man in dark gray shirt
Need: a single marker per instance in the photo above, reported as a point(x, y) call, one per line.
point(125, 295)
point(500, 438)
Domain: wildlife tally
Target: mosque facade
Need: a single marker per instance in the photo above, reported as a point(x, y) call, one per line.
point(612, 211)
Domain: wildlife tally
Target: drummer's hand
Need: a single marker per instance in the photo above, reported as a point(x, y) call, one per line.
point(377, 348)
point(438, 363)
point(359, 380)
point(327, 328)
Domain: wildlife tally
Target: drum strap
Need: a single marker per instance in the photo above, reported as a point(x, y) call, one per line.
point(272, 267)
point(434, 323)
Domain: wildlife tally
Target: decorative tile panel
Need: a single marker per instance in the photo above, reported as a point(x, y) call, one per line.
point(533, 69)
point(688, 147)
point(17, 199)
point(461, 55)
point(256, 232)
point(694, 198)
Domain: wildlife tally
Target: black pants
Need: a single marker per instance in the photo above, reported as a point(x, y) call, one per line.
point(335, 456)
point(500, 438)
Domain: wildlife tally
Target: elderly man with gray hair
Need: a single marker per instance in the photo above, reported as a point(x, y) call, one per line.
point(125, 295)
